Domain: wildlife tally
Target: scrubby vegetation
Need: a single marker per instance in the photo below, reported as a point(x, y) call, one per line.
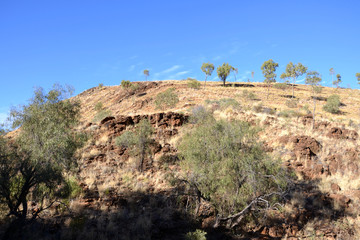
point(101, 112)
point(332, 104)
point(166, 99)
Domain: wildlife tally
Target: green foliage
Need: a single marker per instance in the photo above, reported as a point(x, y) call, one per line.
point(101, 112)
point(268, 69)
point(193, 83)
point(138, 142)
point(166, 99)
point(223, 72)
point(337, 81)
point(313, 78)
point(45, 148)
point(100, 86)
point(293, 72)
point(199, 115)
point(228, 166)
point(249, 95)
point(207, 68)
point(289, 113)
point(125, 84)
point(332, 104)
point(197, 235)
point(282, 86)
point(146, 73)
point(224, 103)
point(357, 75)
point(70, 189)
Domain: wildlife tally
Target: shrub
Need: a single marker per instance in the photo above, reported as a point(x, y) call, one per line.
point(138, 142)
point(100, 85)
point(332, 104)
point(291, 103)
point(229, 167)
point(282, 86)
point(101, 113)
point(200, 114)
point(289, 113)
point(193, 83)
point(249, 95)
point(126, 84)
point(70, 189)
point(197, 235)
point(166, 99)
point(258, 108)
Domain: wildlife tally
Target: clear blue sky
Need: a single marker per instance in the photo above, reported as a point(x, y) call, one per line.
point(84, 43)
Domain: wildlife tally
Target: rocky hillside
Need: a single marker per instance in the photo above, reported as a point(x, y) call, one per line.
point(119, 202)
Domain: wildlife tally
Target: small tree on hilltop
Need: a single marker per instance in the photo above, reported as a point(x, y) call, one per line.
point(268, 69)
point(223, 72)
point(235, 71)
point(207, 68)
point(358, 77)
point(337, 81)
point(146, 73)
point(252, 75)
point(313, 78)
point(293, 72)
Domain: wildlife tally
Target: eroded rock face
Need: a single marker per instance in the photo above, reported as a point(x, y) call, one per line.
point(339, 133)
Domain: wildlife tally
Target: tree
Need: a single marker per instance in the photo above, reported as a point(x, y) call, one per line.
point(207, 68)
point(293, 72)
point(332, 73)
point(358, 77)
point(313, 78)
point(252, 75)
point(235, 71)
point(138, 141)
point(223, 72)
point(268, 69)
point(226, 166)
point(146, 73)
point(32, 166)
point(337, 81)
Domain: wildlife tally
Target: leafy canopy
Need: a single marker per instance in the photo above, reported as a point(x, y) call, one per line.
point(358, 77)
point(268, 69)
point(42, 150)
point(223, 72)
point(227, 164)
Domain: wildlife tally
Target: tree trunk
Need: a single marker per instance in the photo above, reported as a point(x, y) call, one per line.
point(313, 123)
point(205, 81)
point(293, 86)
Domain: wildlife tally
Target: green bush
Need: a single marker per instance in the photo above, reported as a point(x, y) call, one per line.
point(138, 142)
point(282, 86)
point(166, 99)
point(249, 95)
point(100, 85)
point(228, 166)
point(101, 113)
point(197, 235)
point(70, 189)
point(200, 114)
point(126, 84)
point(193, 83)
point(289, 113)
point(332, 104)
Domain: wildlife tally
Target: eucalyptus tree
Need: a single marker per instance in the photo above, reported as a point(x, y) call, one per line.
point(313, 78)
point(252, 75)
point(268, 69)
point(146, 73)
point(235, 71)
point(207, 68)
point(293, 72)
point(337, 81)
point(223, 72)
point(32, 166)
point(358, 77)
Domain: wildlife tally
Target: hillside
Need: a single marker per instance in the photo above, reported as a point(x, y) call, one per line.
point(119, 202)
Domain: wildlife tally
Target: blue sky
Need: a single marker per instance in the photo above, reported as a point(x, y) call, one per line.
point(84, 43)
